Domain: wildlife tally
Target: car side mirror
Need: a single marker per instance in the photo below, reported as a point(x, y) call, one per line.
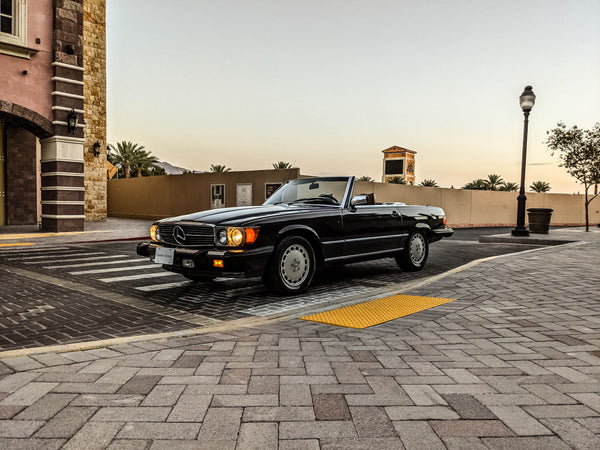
point(358, 200)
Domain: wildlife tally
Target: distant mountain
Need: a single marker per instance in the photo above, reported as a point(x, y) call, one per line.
point(170, 169)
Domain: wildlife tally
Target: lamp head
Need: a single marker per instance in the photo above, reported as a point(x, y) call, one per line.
point(72, 120)
point(527, 99)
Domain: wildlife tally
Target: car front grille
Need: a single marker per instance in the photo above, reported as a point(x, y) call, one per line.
point(195, 235)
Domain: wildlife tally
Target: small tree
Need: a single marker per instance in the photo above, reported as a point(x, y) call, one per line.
point(540, 186)
point(282, 165)
point(478, 185)
point(219, 168)
point(429, 183)
point(579, 152)
point(365, 178)
point(494, 182)
point(397, 180)
point(508, 186)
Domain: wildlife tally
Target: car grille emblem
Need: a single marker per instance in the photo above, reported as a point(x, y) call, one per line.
point(179, 234)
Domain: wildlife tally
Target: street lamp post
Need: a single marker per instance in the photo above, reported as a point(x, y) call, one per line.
point(526, 100)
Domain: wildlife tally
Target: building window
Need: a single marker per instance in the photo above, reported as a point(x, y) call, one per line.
point(13, 28)
point(6, 16)
point(394, 167)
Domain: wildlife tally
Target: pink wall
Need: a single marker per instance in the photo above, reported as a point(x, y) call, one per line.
point(34, 90)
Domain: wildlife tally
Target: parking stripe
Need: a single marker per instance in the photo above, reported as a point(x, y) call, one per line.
point(138, 276)
point(158, 287)
point(115, 269)
point(93, 258)
point(52, 256)
point(119, 261)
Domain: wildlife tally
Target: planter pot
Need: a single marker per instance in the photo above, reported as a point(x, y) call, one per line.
point(539, 220)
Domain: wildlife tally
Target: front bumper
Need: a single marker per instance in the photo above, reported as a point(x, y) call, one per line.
point(440, 233)
point(238, 263)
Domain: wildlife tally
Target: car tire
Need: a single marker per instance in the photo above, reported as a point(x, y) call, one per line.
point(291, 267)
point(414, 255)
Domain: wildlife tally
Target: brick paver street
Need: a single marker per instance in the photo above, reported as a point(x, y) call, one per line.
point(513, 362)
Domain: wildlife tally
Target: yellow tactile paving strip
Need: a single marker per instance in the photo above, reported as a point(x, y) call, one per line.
point(43, 235)
point(367, 314)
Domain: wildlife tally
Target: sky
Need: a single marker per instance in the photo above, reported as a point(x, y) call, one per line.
point(328, 84)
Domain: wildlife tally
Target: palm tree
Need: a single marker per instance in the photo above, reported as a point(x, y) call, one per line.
point(282, 165)
point(143, 161)
point(124, 154)
point(540, 186)
point(478, 185)
point(218, 168)
point(429, 183)
point(509, 186)
point(364, 178)
point(397, 180)
point(494, 182)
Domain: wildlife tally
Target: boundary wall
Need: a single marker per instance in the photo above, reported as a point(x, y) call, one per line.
point(158, 197)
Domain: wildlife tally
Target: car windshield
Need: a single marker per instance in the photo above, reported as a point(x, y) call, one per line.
point(317, 191)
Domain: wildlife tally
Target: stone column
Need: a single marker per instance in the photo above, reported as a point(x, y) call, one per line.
point(94, 91)
point(62, 154)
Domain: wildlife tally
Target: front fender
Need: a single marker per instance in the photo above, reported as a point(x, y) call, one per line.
point(298, 227)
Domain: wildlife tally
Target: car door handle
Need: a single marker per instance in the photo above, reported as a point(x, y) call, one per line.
point(395, 213)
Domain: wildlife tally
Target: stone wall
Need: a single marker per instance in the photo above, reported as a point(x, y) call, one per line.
point(94, 77)
point(21, 182)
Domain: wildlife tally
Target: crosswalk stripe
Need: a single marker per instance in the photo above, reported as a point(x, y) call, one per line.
point(52, 256)
point(115, 269)
point(119, 261)
point(93, 258)
point(138, 276)
point(158, 287)
point(14, 251)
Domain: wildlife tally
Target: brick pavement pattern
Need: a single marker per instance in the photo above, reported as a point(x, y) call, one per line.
point(512, 363)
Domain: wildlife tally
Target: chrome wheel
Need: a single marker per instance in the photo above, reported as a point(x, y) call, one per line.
point(412, 258)
point(295, 265)
point(417, 249)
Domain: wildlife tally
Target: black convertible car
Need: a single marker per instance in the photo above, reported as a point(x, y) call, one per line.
point(305, 224)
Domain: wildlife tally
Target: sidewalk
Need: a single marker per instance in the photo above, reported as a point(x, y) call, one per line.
point(113, 229)
point(512, 362)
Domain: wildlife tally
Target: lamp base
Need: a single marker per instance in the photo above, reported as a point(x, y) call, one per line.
point(520, 231)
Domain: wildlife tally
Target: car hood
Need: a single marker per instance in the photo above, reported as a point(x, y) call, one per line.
point(247, 215)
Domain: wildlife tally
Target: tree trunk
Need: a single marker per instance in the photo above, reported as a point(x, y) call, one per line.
point(587, 217)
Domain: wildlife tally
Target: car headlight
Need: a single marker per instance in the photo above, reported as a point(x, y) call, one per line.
point(237, 236)
point(222, 237)
point(154, 233)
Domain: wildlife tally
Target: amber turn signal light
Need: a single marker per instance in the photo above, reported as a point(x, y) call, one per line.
point(218, 263)
point(251, 235)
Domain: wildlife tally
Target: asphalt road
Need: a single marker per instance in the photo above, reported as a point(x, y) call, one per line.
point(82, 292)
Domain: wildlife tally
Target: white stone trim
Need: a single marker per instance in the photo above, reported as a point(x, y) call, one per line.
point(68, 80)
point(63, 188)
point(63, 174)
point(62, 216)
point(62, 122)
point(67, 66)
point(61, 160)
point(62, 202)
point(66, 94)
point(66, 108)
point(58, 148)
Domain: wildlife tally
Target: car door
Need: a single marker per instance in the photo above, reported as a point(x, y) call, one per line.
point(372, 229)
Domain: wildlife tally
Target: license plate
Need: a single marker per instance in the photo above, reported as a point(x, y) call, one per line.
point(164, 255)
